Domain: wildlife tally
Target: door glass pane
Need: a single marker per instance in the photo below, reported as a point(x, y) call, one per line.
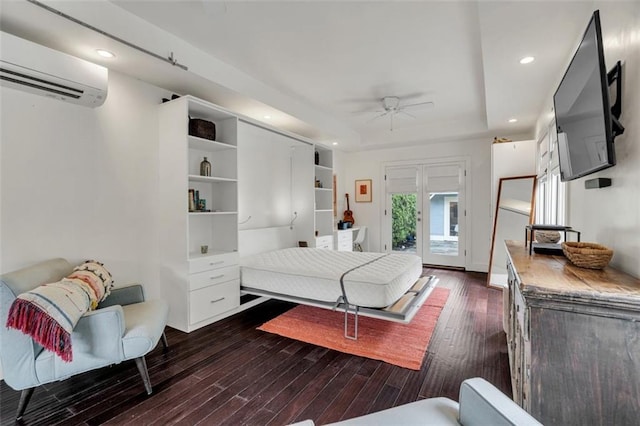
point(443, 223)
point(403, 222)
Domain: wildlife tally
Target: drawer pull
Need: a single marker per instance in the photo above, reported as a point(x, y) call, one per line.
point(217, 300)
point(216, 277)
point(220, 262)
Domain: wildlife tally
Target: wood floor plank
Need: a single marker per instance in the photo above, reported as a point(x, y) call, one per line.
point(300, 393)
point(364, 399)
point(338, 407)
point(230, 373)
point(331, 390)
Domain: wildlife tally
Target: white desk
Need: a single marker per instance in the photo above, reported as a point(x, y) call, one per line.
point(343, 238)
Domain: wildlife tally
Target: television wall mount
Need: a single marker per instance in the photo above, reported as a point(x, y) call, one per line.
point(615, 75)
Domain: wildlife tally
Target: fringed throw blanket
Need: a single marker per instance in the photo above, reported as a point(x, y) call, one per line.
point(50, 312)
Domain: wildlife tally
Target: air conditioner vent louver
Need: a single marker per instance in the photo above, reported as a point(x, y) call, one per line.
point(27, 82)
point(37, 69)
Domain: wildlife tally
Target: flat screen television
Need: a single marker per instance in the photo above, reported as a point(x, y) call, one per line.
point(585, 120)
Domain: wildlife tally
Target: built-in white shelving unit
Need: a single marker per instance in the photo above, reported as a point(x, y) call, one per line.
point(323, 198)
point(198, 247)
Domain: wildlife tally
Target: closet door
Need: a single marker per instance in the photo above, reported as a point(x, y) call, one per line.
point(443, 224)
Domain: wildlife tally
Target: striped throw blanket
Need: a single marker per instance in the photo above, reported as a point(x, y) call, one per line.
point(49, 312)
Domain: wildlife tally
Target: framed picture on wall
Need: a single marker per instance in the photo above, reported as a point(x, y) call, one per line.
point(363, 191)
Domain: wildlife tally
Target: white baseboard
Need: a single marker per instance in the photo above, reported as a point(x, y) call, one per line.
point(478, 267)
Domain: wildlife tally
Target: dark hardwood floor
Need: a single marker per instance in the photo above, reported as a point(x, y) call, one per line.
point(229, 373)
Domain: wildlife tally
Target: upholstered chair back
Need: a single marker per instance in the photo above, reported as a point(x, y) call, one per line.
point(17, 350)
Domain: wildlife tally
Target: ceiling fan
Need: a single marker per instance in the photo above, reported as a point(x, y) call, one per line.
point(392, 106)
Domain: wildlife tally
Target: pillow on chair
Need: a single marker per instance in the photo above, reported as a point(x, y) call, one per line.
point(97, 278)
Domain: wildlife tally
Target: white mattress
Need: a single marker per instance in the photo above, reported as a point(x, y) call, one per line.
point(315, 274)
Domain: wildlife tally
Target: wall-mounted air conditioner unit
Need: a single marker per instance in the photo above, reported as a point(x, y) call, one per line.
point(34, 68)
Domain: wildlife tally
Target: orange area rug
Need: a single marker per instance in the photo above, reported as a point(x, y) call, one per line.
point(392, 342)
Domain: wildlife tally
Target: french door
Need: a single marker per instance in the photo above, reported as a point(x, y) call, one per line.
point(425, 212)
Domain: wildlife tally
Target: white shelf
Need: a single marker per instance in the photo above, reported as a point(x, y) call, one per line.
point(198, 178)
point(197, 255)
point(199, 108)
point(324, 189)
point(196, 213)
point(324, 211)
point(208, 145)
point(325, 168)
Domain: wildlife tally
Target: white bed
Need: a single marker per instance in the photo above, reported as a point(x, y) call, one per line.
point(315, 274)
point(380, 285)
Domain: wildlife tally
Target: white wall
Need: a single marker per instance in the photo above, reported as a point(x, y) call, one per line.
point(611, 216)
point(81, 183)
point(369, 165)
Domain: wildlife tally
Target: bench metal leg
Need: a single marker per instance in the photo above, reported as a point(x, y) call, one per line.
point(25, 397)
point(141, 363)
point(164, 341)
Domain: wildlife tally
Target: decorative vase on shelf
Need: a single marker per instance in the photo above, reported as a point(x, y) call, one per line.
point(317, 158)
point(205, 168)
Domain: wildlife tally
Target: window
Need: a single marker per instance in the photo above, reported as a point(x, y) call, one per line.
point(551, 192)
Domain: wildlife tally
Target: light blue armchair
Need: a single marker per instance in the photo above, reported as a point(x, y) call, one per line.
point(481, 404)
point(124, 327)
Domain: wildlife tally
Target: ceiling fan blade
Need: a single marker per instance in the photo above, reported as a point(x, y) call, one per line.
point(402, 111)
point(368, 111)
point(428, 104)
point(377, 116)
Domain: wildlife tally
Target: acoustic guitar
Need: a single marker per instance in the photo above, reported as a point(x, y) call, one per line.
point(348, 214)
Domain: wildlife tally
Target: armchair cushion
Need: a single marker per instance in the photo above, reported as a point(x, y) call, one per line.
point(97, 342)
point(144, 325)
point(431, 411)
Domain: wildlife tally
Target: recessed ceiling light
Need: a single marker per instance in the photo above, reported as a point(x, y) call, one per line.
point(513, 120)
point(335, 143)
point(267, 117)
point(527, 60)
point(105, 53)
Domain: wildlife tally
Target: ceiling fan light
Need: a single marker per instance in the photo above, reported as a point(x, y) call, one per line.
point(391, 103)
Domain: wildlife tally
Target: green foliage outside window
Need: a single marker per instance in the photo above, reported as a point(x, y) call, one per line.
point(403, 210)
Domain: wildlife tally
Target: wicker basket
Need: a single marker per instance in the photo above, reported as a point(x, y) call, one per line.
point(202, 128)
point(587, 255)
point(547, 236)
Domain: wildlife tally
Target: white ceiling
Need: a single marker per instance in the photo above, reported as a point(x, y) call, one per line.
point(340, 58)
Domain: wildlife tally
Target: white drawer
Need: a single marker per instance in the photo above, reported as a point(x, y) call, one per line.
point(345, 246)
point(214, 300)
point(324, 242)
point(212, 262)
point(214, 276)
point(345, 237)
